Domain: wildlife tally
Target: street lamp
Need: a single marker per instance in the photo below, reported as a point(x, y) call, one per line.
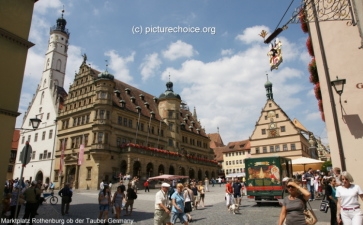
point(35, 122)
point(338, 85)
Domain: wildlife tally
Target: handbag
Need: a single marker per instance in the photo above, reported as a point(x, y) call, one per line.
point(188, 205)
point(324, 205)
point(310, 217)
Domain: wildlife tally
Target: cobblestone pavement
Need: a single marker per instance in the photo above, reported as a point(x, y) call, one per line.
point(84, 210)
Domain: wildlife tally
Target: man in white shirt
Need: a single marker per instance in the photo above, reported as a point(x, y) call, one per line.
point(102, 185)
point(162, 212)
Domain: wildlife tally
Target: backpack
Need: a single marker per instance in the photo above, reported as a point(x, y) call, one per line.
point(170, 192)
point(133, 195)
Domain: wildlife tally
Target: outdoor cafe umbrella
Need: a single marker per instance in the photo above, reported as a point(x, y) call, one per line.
point(305, 161)
point(168, 177)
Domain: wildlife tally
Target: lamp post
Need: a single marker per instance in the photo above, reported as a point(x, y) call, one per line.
point(35, 122)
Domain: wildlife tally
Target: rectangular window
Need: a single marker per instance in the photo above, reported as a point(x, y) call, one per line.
point(142, 127)
point(118, 141)
point(257, 150)
point(48, 114)
point(106, 138)
point(265, 117)
point(152, 130)
point(33, 154)
point(89, 173)
point(293, 147)
point(50, 134)
point(10, 168)
point(277, 115)
point(272, 149)
point(108, 115)
point(45, 154)
point(23, 139)
point(130, 123)
point(284, 147)
point(56, 174)
point(125, 122)
point(36, 137)
point(170, 126)
point(170, 142)
point(277, 148)
point(49, 155)
point(40, 156)
point(102, 114)
point(264, 149)
point(283, 128)
point(87, 118)
point(170, 114)
point(99, 138)
point(263, 131)
point(43, 135)
point(119, 120)
point(29, 136)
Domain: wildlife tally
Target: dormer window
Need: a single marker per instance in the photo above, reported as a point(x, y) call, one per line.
point(146, 104)
point(138, 109)
point(152, 114)
point(155, 99)
point(192, 123)
point(187, 115)
point(122, 103)
point(117, 93)
point(132, 99)
point(182, 126)
point(127, 90)
point(191, 128)
point(198, 130)
point(142, 97)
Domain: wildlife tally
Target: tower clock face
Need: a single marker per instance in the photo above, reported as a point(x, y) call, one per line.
point(273, 125)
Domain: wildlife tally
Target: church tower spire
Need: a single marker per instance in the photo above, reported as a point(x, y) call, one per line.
point(56, 55)
point(268, 86)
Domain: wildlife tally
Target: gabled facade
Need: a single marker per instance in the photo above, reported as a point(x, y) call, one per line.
point(276, 135)
point(47, 101)
point(234, 155)
point(126, 131)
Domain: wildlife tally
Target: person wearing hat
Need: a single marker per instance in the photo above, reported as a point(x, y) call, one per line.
point(162, 210)
point(31, 201)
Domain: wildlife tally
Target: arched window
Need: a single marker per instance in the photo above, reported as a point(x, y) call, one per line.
point(59, 63)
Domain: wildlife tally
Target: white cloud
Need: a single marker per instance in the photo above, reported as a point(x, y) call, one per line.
point(227, 90)
point(313, 116)
point(179, 49)
point(119, 65)
point(42, 7)
point(150, 65)
point(251, 34)
point(227, 52)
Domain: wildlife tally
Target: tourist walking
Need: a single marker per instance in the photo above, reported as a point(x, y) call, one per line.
point(15, 195)
point(309, 176)
point(146, 185)
point(162, 206)
point(330, 192)
point(206, 184)
point(229, 194)
point(177, 210)
point(195, 195)
point(104, 200)
point(293, 205)
point(237, 188)
point(31, 202)
point(188, 198)
point(117, 200)
point(130, 198)
point(66, 195)
point(201, 191)
point(348, 206)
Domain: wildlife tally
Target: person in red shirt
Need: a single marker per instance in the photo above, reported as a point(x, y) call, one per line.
point(229, 193)
point(146, 185)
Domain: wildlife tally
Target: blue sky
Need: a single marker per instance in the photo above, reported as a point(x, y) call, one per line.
point(221, 72)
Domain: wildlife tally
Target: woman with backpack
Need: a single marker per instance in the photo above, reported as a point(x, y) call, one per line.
point(131, 196)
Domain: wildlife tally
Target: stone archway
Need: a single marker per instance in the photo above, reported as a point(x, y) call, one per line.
point(39, 176)
point(136, 169)
point(213, 175)
point(191, 173)
point(171, 170)
point(161, 169)
point(123, 167)
point(200, 175)
point(181, 171)
point(150, 170)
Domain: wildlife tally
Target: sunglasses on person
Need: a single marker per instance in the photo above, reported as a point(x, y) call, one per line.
point(290, 186)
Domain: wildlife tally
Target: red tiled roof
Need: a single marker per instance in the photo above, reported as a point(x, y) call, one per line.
point(238, 146)
point(15, 141)
point(215, 140)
